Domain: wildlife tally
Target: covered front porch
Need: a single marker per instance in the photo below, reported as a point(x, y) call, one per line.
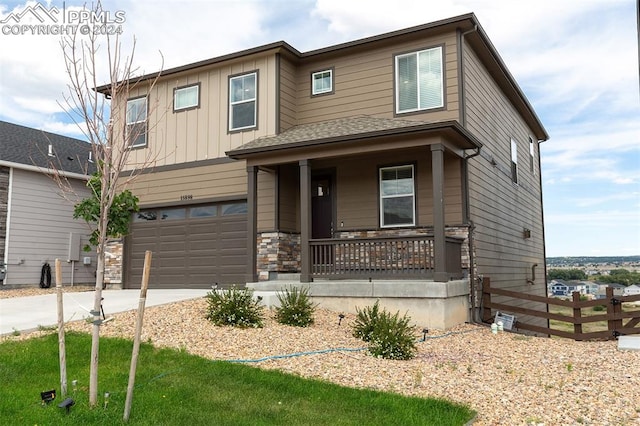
point(359, 217)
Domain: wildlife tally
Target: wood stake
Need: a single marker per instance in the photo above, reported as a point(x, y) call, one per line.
point(61, 340)
point(136, 340)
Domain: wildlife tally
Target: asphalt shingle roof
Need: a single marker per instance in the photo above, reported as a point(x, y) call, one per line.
point(29, 146)
point(334, 130)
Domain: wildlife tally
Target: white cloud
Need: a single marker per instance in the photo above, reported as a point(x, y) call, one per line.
point(576, 62)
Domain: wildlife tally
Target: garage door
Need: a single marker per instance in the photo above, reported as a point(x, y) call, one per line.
point(193, 246)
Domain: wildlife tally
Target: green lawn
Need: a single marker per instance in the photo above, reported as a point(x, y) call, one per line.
point(175, 388)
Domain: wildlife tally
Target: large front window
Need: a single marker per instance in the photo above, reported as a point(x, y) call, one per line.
point(242, 101)
point(397, 196)
point(419, 81)
point(136, 127)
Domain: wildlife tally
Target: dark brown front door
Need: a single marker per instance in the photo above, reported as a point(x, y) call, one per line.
point(322, 220)
point(321, 207)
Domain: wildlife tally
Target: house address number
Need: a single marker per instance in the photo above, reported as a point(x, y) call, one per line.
point(186, 197)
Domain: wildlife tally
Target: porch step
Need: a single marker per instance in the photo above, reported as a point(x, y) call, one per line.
point(285, 276)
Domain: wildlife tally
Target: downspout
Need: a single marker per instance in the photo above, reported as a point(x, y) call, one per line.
point(472, 227)
point(465, 171)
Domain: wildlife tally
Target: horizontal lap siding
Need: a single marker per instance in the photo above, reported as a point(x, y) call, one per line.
point(499, 208)
point(287, 94)
point(40, 224)
point(289, 196)
point(364, 83)
point(357, 188)
point(204, 182)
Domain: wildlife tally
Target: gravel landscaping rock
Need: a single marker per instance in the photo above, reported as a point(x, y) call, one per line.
point(508, 378)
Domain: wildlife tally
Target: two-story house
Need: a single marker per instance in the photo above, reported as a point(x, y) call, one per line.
point(401, 168)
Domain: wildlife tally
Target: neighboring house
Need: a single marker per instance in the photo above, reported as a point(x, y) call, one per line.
point(590, 287)
point(401, 167)
point(631, 290)
point(36, 220)
point(567, 288)
point(559, 288)
point(618, 290)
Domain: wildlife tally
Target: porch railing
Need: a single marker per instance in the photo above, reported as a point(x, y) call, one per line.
point(384, 257)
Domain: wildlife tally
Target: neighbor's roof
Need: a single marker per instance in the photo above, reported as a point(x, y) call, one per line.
point(349, 129)
point(26, 147)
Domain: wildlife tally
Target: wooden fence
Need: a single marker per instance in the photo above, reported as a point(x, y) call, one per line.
point(615, 317)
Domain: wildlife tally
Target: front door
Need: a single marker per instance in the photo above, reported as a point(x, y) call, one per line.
point(321, 221)
point(321, 207)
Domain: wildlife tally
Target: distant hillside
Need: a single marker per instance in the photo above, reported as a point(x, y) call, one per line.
point(591, 260)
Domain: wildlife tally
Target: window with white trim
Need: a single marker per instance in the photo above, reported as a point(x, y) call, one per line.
point(186, 97)
point(419, 80)
point(532, 155)
point(514, 161)
point(242, 101)
point(136, 124)
point(322, 82)
point(397, 196)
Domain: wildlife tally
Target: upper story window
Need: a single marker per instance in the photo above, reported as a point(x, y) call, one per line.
point(532, 155)
point(242, 101)
point(186, 97)
point(136, 126)
point(514, 161)
point(397, 196)
point(419, 80)
point(322, 82)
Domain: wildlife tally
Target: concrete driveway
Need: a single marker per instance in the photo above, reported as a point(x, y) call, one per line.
point(28, 313)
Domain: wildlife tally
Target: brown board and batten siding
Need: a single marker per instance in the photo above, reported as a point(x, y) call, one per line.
point(202, 133)
point(364, 84)
point(499, 208)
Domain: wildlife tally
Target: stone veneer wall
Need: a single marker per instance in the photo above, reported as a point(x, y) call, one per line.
point(4, 206)
point(113, 263)
point(278, 252)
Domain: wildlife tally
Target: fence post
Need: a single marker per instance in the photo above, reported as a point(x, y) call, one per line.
point(486, 299)
point(613, 309)
point(577, 314)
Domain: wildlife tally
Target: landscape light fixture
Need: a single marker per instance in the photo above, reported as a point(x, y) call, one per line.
point(106, 399)
point(424, 334)
point(67, 404)
point(340, 317)
point(48, 396)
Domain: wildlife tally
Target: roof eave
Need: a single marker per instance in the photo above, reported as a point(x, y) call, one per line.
point(106, 88)
point(474, 143)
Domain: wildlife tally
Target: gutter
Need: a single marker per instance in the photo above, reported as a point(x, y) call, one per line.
point(48, 171)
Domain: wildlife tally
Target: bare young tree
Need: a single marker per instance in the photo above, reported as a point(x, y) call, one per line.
point(102, 117)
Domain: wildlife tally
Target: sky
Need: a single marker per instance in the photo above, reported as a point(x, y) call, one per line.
point(575, 60)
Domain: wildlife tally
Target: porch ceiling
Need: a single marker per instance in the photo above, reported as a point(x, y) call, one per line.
point(359, 134)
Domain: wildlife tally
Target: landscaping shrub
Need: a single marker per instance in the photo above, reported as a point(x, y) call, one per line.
point(600, 308)
point(295, 308)
point(366, 320)
point(234, 307)
point(389, 336)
